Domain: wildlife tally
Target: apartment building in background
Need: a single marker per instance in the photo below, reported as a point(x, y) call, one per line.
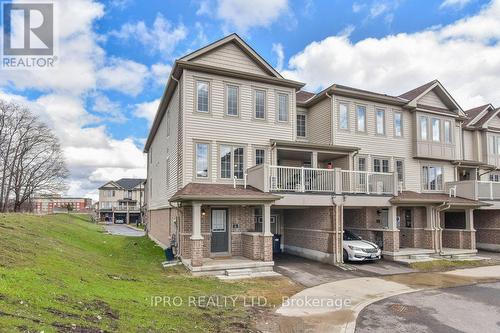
point(121, 201)
point(53, 203)
point(238, 154)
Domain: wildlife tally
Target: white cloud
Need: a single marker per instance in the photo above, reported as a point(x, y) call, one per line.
point(357, 7)
point(125, 76)
point(454, 3)
point(243, 14)
point(162, 37)
point(108, 110)
point(147, 110)
point(280, 55)
point(461, 54)
point(160, 73)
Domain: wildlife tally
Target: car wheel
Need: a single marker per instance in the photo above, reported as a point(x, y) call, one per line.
point(345, 256)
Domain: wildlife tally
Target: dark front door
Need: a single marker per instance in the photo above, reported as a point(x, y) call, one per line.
point(220, 233)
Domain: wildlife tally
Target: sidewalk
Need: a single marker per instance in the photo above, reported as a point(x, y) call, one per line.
point(335, 306)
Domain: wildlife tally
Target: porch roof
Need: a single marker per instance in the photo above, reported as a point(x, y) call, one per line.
point(295, 144)
point(410, 197)
point(469, 163)
point(221, 192)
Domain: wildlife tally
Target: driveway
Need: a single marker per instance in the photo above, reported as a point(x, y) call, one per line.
point(123, 230)
point(311, 273)
point(444, 310)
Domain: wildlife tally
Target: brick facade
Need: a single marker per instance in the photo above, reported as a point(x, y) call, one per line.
point(487, 225)
point(459, 239)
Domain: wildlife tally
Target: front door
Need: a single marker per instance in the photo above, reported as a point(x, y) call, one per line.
point(220, 232)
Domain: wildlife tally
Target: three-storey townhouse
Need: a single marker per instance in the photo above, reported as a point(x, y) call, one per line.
point(121, 200)
point(237, 155)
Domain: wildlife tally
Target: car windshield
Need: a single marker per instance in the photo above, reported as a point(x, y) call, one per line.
point(349, 236)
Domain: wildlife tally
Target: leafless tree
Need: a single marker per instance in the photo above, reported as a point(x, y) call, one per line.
point(31, 159)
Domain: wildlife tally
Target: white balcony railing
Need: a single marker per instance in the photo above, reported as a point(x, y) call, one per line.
point(367, 182)
point(487, 190)
point(289, 179)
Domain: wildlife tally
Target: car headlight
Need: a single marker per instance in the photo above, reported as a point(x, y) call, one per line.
point(354, 248)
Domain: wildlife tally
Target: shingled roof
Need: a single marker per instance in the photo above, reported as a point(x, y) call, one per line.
point(303, 96)
point(414, 93)
point(129, 183)
point(221, 192)
point(407, 197)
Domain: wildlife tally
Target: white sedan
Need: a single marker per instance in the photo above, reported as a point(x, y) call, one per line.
point(357, 249)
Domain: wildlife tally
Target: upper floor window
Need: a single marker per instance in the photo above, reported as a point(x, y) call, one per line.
point(424, 128)
point(343, 116)
point(494, 177)
point(398, 124)
point(380, 165)
point(202, 150)
point(260, 156)
point(129, 194)
point(432, 178)
point(361, 163)
point(448, 134)
point(232, 100)
point(202, 96)
point(260, 104)
point(232, 162)
point(301, 125)
point(282, 107)
point(380, 120)
point(361, 118)
point(400, 170)
point(493, 145)
point(436, 130)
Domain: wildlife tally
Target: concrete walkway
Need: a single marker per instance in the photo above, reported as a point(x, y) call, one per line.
point(123, 230)
point(335, 306)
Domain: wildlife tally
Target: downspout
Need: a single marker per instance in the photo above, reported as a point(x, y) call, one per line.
point(438, 230)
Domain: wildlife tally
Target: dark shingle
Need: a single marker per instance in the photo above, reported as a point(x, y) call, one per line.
point(129, 183)
point(414, 93)
point(303, 96)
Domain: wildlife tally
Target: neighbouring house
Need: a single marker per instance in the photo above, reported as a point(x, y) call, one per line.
point(120, 201)
point(52, 203)
point(238, 154)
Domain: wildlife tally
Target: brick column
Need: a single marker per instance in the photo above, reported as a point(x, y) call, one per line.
point(267, 247)
point(196, 237)
point(391, 240)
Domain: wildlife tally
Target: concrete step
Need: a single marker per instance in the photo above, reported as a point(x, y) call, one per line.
point(238, 272)
point(462, 256)
point(419, 256)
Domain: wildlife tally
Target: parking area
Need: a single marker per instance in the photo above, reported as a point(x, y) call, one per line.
point(123, 230)
point(311, 273)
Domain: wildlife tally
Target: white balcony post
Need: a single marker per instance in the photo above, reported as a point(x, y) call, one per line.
point(395, 184)
point(338, 180)
point(368, 183)
point(491, 190)
point(302, 179)
point(196, 235)
point(267, 178)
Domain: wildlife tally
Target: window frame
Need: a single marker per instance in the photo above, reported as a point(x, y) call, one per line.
point(287, 106)
point(255, 156)
point(382, 165)
point(365, 129)
point(226, 100)
point(395, 127)
point(301, 114)
point(384, 127)
point(426, 186)
point(209, 90)
point(438, 128)
point(427, 132)
point(402, 174)
point(448, 140)
point(347, 128)
point(254, 106)
point(195, 169)
point(232, 164)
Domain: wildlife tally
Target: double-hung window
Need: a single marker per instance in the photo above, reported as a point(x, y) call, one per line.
point(283, 107)
point(380, 121)
point(448, 134)
point(202, 96)
point(301, 125)
point(432, 178)
point(232, 100)
point(232, 162)
point(361, 118)
point(424, 128)
point(398, 124)
point(436, 130)
point(380, 165)
point(260, 156)
point(202, 150)
point(400, 171)
point(260, 104)
point(343, 116)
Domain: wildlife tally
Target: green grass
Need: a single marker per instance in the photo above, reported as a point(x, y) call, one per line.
point(61, 273)
point(437, 265)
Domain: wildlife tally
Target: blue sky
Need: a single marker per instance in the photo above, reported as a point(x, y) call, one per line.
point(115, 57)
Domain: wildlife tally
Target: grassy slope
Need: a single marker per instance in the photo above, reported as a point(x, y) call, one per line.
point(61, 272)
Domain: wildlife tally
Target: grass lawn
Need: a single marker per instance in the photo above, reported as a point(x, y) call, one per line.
point(62, 273)
point(439, 265)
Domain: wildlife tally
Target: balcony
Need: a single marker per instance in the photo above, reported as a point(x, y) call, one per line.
point(121, 208)
point(273, 178)
point(475, 190)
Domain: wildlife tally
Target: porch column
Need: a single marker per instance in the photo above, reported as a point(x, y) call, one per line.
point(469, 235)
point(314, 159)
point(469, 219)
point(196, 237)
point(267, 236)
point(391, 235)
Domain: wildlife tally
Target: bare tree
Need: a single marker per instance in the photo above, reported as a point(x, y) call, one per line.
point(31, 158)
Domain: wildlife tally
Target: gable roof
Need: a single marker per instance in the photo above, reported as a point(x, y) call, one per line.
point(124, 183)
point(302, 96)
point(481, 115)
point(414, 95)
point(247, 49)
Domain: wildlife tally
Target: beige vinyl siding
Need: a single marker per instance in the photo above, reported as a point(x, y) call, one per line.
point(242, 131)
point(376, 145)
point(494, 122)
point(432, 99)
point(164, 147)
point(319, 120)
point(230, 56)
point(468, 145)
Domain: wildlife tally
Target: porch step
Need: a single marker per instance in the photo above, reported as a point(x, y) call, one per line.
point(238, 272)
point(462, 256)
point(419, 256)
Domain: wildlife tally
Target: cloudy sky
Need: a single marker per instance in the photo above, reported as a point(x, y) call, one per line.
point(115, 57)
